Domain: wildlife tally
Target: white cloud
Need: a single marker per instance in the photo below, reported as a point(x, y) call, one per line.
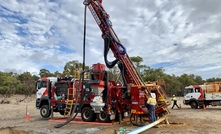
point(185, 34)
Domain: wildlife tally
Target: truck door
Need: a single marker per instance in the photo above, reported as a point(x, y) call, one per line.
point(191, 93)
point(40, 87)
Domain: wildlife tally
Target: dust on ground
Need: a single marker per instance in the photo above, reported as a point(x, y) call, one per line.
point(182, 121)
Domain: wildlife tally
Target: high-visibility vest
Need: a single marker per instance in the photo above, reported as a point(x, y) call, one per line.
point(151, 101)
point(174, 99)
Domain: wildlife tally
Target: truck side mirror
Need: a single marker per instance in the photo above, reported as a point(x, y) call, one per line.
point(36, 86)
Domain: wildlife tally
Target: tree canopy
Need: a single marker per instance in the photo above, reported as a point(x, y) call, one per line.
point(25, 83)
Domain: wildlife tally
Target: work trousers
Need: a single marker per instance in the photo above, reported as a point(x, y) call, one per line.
point(152, 115)
point(175, 104)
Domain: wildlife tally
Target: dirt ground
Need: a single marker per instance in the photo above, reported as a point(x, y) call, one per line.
point(182, 121)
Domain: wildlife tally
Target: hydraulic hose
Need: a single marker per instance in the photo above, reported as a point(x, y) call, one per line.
point(122, 69)
point(73, 114)
point(107, 43)
point(114, 37)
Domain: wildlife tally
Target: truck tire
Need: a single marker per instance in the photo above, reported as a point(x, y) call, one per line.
point(88, 115)
point(103, 117)
point(194, 105)
point(45, 112)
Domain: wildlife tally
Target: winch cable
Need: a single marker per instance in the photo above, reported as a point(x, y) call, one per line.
point(73, 114)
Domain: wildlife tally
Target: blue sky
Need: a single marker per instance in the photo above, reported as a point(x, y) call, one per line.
point(178, 36)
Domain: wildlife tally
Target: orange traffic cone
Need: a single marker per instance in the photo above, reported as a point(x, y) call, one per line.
point(27, 116)
point(204, 107)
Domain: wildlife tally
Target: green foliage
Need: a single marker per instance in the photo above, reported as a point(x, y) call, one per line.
point(136, 60)
point(28, 83)
point(44, 73)
point(56, 74)
point(114, 73)
point(152, 74)
point(25, 83)
point(73, 68)
point(9, 84)
point(174, 84)
point(213, 79)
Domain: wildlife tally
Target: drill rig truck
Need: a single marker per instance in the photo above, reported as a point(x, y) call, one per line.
point(99, 99)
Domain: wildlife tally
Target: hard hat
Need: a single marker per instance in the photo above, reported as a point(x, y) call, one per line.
point(153, 95)
point(173, 95)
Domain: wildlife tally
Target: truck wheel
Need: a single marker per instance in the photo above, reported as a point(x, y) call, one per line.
point(45, 112)
point(194, 105)
point(88, 115)
point(103, 117)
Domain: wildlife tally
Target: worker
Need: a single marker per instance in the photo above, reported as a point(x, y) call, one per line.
point(174, 102)
point(151, 106)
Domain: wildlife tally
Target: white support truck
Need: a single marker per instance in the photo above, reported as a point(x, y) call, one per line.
point(200, 95)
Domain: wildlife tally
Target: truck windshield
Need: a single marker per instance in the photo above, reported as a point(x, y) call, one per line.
point(41, 84)
point(188, 90)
